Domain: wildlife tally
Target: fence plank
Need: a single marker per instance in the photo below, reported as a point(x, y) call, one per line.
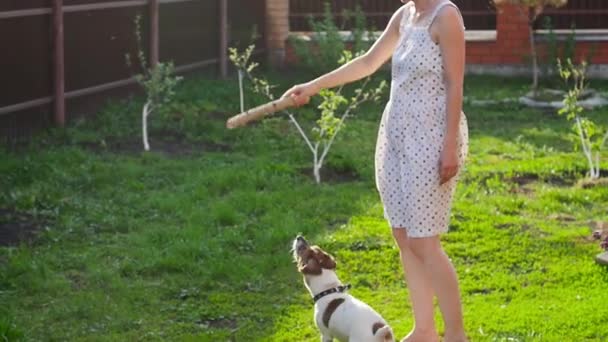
point(223, 30)
point(154, 23)
point(58, 63)
point(589, 14)
point(96, 36)
point(20, 13)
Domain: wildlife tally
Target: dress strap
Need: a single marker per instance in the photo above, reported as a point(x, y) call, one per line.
point(406, 16)
point(431, 19)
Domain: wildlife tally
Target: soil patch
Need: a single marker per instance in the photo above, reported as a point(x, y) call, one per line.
point(220, 116)
point(522, 189)
point(337, 223)
point(220, 323)
point(167, 143)
point(483, 291)
point(331, 175)
point(17, 227)
point(527, 178)
point(600, 230)
point(365, 246)
point(568, 179)
point(77, 279)
point(562, 217)
point(592, 183)
point(504, 226)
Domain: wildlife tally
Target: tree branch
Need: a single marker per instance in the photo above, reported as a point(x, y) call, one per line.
point(354, 104)
point(304, 136)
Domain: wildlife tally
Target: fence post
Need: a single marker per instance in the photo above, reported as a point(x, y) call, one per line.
point(223, 38)
point(277, 30)
point(154, 46)
point(58, 63)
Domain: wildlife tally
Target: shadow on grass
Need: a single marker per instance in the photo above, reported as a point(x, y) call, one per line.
point(541, 129)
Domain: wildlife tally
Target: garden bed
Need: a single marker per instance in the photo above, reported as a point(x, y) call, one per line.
point(18, 228)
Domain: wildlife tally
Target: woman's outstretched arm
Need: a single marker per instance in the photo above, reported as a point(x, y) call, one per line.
point(356, 69)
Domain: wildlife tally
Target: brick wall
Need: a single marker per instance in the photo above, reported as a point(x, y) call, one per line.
point(509, 47)
point(512, 43)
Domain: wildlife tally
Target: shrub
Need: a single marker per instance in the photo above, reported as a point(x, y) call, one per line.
point(323, 52)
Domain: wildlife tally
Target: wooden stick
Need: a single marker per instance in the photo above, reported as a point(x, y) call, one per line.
point(260, 112)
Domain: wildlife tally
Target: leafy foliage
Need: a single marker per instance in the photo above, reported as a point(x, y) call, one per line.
point(325, 51)
point(330, 121)
point(322, 51)
point(158, 82)
point(556, 49)
point(536, 6)
point(590, 137)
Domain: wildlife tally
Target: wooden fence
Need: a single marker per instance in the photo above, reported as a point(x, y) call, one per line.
point(75, 50)
point(478, 14)
point(582, 14)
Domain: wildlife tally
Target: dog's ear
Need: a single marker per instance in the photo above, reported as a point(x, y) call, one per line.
point(327, 261)
point(312, 267)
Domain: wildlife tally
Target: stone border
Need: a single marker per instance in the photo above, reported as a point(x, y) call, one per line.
point(481, 103)
point(594, 71)
point(594, 101)
point(602, 258)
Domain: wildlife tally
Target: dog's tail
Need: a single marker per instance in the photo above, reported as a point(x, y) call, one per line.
point(382, 332)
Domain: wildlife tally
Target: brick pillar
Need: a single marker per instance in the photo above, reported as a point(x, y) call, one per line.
point(513, 40)
point(277, 30)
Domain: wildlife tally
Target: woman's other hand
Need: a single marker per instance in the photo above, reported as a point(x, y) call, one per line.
point(449, 163)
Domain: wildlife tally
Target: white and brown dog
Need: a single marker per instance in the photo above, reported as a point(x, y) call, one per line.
point(337, 314)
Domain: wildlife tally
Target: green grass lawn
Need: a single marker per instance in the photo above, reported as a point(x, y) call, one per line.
point(191, 242)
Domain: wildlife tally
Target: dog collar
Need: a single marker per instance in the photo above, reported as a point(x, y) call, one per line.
point(336, 289)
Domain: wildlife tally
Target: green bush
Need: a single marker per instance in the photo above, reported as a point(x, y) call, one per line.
point(324, 50)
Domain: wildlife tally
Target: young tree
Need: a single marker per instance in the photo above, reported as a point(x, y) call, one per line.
point(157, 80)
point(335, 107)
point(536, 8)
point(591, 137)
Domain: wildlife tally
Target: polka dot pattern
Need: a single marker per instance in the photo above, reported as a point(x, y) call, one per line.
point(410, 136)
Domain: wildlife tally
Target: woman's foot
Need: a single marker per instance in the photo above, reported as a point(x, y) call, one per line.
point(420, 336)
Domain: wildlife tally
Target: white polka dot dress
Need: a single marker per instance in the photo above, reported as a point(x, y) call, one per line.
point(410, 136)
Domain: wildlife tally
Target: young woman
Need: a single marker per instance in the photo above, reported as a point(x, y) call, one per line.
point(421, 146)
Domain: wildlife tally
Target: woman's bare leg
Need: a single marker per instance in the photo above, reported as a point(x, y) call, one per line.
point(421, 292)
point(445, 284)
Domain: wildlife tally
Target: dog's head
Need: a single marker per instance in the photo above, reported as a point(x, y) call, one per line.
point(311, 260)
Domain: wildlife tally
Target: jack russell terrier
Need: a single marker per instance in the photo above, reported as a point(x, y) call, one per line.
point(337, 314)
